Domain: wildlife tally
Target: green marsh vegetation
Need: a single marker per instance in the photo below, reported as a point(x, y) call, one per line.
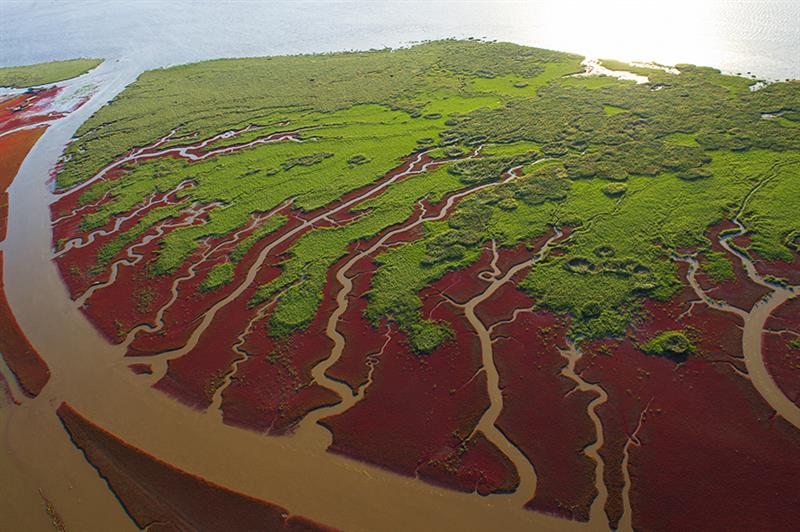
point(45, 73)
point(637, 171)
point(671, 344)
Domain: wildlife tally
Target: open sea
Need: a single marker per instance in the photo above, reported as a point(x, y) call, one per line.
point(761, 37)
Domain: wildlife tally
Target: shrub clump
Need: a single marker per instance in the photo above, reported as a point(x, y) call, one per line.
point(670, 344)
point(507, 204)
point(555, 149)
point(426, 335)
point(615, 190)
point(604, 251)
point(357, 159)
point(579, 265)
point(694, 174)
point(467, 228)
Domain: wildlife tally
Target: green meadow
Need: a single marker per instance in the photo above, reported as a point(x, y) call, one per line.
point(635, 170)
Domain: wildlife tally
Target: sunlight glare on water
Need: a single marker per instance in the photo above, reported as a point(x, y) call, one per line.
point(634, 31)
point(737, 36)
point(762, 36)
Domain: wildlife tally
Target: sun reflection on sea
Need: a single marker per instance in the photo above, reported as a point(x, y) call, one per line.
point(667, 32)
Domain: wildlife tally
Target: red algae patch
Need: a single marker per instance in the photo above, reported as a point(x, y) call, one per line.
point(21, 358)
point(160, 497)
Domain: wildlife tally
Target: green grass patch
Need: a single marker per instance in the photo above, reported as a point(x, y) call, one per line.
point(218, 276)
point(45, 73)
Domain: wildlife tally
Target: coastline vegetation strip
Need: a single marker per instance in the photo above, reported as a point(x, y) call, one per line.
point(20, 77)
point(641, 170)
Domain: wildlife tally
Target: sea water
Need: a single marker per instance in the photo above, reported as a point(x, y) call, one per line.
point(761, 37)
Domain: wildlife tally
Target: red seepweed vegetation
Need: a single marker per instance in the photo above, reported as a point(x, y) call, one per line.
point(782, 348)
point(674, 440)
point(27, 109)
point(543, 414)
point(272, 390)
point(740, 291)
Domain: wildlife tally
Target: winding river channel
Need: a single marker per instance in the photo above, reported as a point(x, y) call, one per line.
point(39, 460)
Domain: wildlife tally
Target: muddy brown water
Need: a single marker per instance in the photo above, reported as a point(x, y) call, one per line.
point(38, 455)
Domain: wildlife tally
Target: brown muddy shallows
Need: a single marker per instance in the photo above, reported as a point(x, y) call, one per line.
point(29, 369)
point(160, 497)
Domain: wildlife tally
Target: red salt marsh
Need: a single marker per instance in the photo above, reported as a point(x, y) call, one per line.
point(20, 356)
point(788, 271)
point(441, 392)
point(625, 372)
point(362, 339)
point(194, 377)
point(735, 450)
point(78, 265)
point(542, 414)
point(476, 466)
point(717, 334)
point(14, 147)
point(740, 291)
point(161, 497)
point(78, 269)
point(142, 291)
point(419, 412)
point(27, 109)
point(273, 389)
point(782, 348)
point(145, 344)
